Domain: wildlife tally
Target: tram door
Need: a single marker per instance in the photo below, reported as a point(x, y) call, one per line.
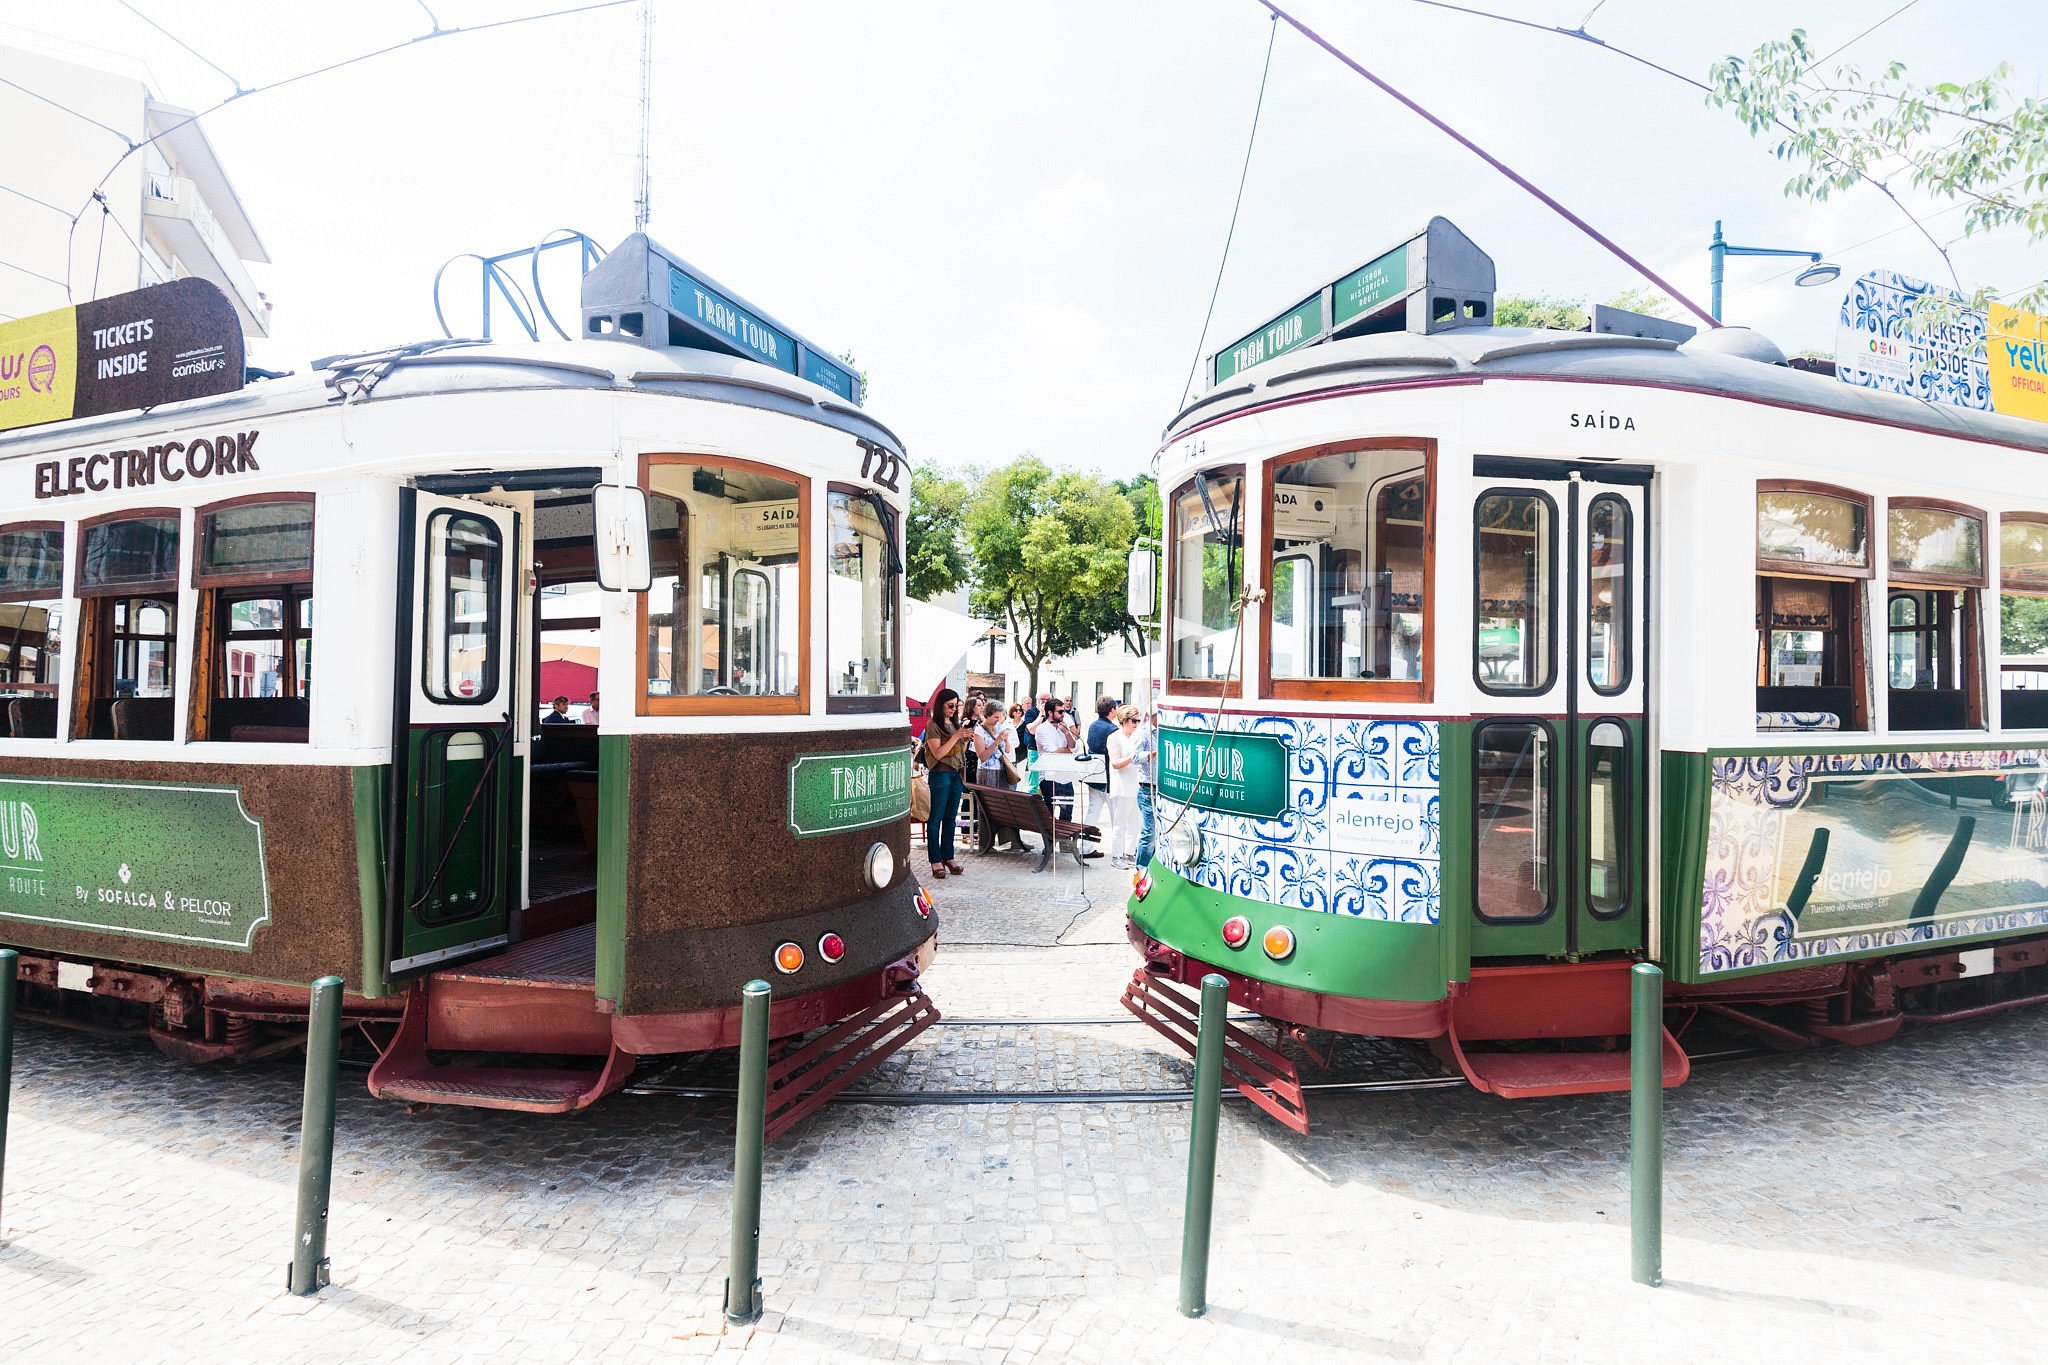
point(1559, 780)
point(453, 842)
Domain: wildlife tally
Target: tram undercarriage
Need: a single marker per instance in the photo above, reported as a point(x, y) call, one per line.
point(1535, 1030)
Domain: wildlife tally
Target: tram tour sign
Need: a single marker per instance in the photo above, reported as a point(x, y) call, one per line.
point(1235, 774)
point(834, 793)
point(182, 864)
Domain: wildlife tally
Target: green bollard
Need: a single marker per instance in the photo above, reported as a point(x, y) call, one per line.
point(8, 961)
point(316, 1138)
point(1646, 1125)
point(1194, 1237)
point(743, 1279)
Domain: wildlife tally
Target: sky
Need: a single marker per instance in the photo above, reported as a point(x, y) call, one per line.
point(1014, 216)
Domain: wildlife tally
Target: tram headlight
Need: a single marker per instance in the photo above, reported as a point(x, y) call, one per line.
point(788, 958)
point(1183, 845)
point(879, 867)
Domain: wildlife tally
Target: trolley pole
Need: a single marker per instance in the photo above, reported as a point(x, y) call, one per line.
point(1194, 1237)
point(1646, 1125)
point(9, 960)
point(743, 1279)
point(309, 1271)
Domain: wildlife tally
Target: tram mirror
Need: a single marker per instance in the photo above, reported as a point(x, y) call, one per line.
point(624, 563)
point(1141, 584)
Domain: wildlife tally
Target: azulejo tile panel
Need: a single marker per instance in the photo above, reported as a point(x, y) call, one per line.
point(1362, 832)
point(1811, 856)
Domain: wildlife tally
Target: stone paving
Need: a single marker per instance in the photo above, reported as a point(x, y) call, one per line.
point(1840, 1206)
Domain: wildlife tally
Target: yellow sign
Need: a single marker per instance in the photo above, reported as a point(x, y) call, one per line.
point(38, 368)
point(2018, 343)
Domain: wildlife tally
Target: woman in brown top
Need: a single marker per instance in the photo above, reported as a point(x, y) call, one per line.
point(945, 743)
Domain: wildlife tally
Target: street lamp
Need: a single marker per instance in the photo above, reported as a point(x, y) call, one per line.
point(1718, 250)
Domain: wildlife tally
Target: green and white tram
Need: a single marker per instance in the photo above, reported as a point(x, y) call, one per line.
point(272, 705)
point(1499, 660)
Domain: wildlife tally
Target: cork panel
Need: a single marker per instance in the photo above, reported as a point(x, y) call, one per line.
point(309, 853)
point(713, 869)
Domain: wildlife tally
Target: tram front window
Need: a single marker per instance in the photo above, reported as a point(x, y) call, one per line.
point(1208, 574)
point(1347, 535)
point(860, 597)
point(736, 532)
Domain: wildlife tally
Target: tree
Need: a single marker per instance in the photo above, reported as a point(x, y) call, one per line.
point(2023, 624)
point(1969, 141)
point(933, 533)
point(1049, 548)
point(1540, 310)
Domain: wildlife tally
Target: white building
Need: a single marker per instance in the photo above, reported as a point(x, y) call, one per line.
point(169, 209)
point(1111, 669)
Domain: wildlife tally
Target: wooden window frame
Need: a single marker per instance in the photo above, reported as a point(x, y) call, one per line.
point(891, 701)
point(1926, 579)
point(2025, 518)
point(209, 651)
point(143, 589)
point(95, 636)
point(1195, 687)
point(1800, 568)
point(269, 578)
point(1352, 689)
point(797, 705)
point(32, 595)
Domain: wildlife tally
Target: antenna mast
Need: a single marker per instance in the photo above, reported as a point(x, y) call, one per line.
point(642, 205)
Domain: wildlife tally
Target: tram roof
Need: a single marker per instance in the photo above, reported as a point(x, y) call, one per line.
point(438, 368)
point(1711, 363)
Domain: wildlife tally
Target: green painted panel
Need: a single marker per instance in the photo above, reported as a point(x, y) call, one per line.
point(367, 788)
point(1454, 792)
point(458, 840)
point(180, 864)
point(1371, 285)
point(833, 793)
point(1237, 774)
point(1297, 327)
point(1365, 959)
point(1684, 795)
point(614, 796)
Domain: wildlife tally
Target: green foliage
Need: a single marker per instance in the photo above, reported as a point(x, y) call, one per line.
point(1970, 141)
point(1540, 310)
point(2022, 624)
point(1049, 550)
point(934, 533)
point(860, 394)
point(1648, 302)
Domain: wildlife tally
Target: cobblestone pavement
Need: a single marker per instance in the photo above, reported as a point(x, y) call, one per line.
point(1839, 1206)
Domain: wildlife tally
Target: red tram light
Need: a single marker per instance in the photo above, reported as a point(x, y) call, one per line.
point(1237, 931)
point(1141, 883)
point(831, 947)
point(923, 901)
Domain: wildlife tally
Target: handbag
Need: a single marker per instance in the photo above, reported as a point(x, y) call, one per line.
point(1012, 774)
point(920, 798)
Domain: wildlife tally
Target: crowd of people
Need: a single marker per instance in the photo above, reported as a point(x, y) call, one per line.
point(981, 740)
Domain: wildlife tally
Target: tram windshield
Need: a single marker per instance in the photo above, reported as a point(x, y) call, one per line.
point(1347, 582)
point(860, 605)
point(724, 613)
point(1208, 573)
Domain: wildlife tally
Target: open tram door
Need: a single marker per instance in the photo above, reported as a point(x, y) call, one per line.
point(1559, 653)
point(452, 836)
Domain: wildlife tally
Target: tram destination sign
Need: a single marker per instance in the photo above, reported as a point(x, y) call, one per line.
point(179, 864)
point(1234, 774)
point(135, 350)
point(834, 793)
point(734, 327)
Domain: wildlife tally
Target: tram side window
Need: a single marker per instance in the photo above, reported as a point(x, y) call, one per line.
point(1812, 557)
point(2023, 621)
point(860, 598)
point(1936, 567)
point(128, 629)
point(738, 630)
point(31, 629)
point(255, 654)
point(1347, 533)
point(1515, 620)
point(1208, 574)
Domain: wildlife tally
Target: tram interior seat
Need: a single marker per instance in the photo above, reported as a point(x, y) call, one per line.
point(36, 717)
point(1837, 701)
point(2018, 709)
point(565, 784)
point(133, 717)
point(260, 720)
point(1919, 708)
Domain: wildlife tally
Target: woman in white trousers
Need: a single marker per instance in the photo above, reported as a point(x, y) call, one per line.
point(1123, 787)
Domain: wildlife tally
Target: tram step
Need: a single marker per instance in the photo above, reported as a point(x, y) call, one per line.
point(1535, 1074)
point(406, 1071)
point(1262, 1073)
point(533, 1092)
point(802, 1080)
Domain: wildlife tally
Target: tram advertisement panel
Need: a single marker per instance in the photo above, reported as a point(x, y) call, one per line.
point(134, 350)
point(183, 864)
point(1812, 856)
point(833, 793)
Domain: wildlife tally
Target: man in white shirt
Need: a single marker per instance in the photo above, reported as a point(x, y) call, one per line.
point(1054, 734)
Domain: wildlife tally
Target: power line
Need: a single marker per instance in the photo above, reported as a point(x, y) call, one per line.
point(1258, 105)
point(65, 108)
point(1861, 36)
point(43, 203)
point(39, 275)
point(183, 44)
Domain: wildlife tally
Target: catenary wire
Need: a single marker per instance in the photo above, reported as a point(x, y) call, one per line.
point(189, 49)
point(1860, 37)
point(67, 109)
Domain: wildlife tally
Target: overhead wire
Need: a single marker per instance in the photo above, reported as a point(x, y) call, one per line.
point(65, 108)
point(1838, 51)
point(189, 49)
point(1230, 234)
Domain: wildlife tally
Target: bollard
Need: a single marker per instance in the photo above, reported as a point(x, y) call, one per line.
point(8, 961)
point(1646, 1125)
point(743, 1280)
point(316, 1138)
point(1194, 1237)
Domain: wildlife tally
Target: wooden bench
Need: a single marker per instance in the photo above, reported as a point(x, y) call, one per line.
point(1019, 812)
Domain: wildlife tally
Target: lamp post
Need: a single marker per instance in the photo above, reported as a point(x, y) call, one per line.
point(1718, 250)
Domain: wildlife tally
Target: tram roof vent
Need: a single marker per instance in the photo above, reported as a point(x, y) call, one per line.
point(1738, 342)
point(1434, 281)
point(643, 292)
